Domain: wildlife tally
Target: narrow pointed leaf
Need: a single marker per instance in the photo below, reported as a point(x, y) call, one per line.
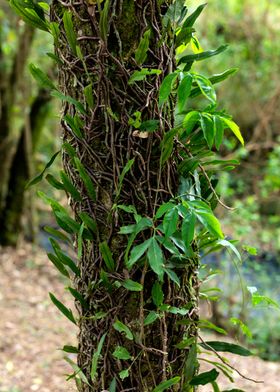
point(107, 256)
point(120, 327)
point(205, 378)
point(70, 31)
point(137, 252)
point(40, 176)
point(226, 347)
point(132, 286)
point(96, 357)
point(166, 87)
point(62, 308)
point(167, 384)
point(155, 258)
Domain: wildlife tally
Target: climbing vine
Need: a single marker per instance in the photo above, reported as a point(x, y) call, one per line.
point(142, 130)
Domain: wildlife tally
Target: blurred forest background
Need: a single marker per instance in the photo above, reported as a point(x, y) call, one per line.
point(29, 136)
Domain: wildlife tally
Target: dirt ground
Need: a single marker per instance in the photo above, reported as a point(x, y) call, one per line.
point(32, 331)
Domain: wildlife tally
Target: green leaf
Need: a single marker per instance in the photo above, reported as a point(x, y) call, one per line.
point(85, 178)
point(222, 76)
point(208, 129)
point(191, 364)
point(78, 371)
point(121, 353)
point(107, 256)
point(125, 170)
point(57, 234)
point(189, 122)
point(59, 266)
point(66, 223)
point(54, 182)
point(70, 150)
point(69, 187)
point(151, 317)
point(41, 78)
point(243, 327)
point(167, 145)
point(137, 252)
point(208, 325)
point(218, 131)
point(149, 125)
point(157, 294)
point(229, 245)
point(189, 22)
point(132, 286)
point(205, 378)
point(214, 80)
point(54, 30)
point(70, 31)
point(70, 349)
point(124, 374)
point(235, 129)
point(185, 36)
point(67, 261)
point(33, 17)
point(166, 87)
point(103, 22)
point(170, 222)
point(210, 222)
point(120, 327)
point(201, 56)
point(167, 384)
point(72, 124)
point(175, 13)
point(40, 176)
point(78, 296)
point(113, 385)
point(141, 52)
point(173, 276)
point(183, 92)
point(141, 75)
point(155, 258)
point(88, 221)
point(188, 228)
point(62, 308)
point(96, 357)
point(206, 88)
point(88, 93)
point(165, 207)
point(185, 343)
point(80, 241)
point(226, 347)
point(67, 98)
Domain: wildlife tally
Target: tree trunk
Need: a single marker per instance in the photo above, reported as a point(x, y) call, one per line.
point(9, 88)
point(20, 170)
point(108, 46)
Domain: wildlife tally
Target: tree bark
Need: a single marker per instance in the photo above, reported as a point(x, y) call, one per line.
point(109, 142)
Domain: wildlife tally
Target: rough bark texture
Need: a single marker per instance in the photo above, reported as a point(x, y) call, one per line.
point(109, 143)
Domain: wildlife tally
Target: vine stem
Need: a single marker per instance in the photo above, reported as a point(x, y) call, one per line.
point(229, 365)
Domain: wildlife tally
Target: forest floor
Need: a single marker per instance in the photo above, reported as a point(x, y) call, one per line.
point(32, 331)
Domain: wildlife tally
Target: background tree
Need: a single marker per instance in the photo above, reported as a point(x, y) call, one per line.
point(18, 137)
